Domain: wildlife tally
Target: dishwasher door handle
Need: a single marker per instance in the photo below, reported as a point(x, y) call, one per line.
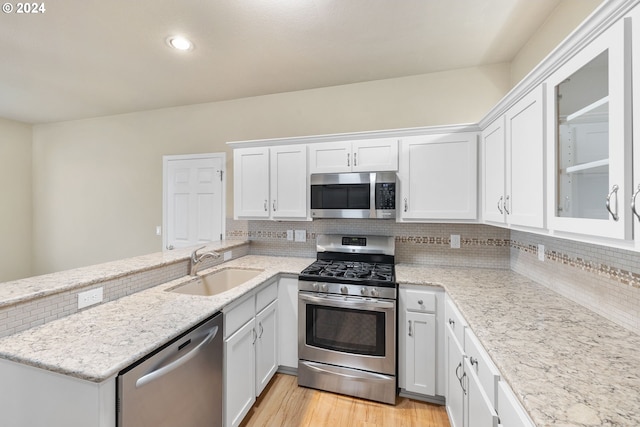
point(157, 373)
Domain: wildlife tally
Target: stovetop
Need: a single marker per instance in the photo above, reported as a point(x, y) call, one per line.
point(341, 271)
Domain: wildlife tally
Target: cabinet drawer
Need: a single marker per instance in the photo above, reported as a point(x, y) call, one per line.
point(238, 316)
point(454, 321)
point(266, 295)
point(483, 366)
point(420, 301)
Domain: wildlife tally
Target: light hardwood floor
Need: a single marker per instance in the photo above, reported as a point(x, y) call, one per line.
point(283, 403)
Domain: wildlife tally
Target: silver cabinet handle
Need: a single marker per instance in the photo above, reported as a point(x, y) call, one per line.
point(614, 190)
point(506, 205)
point(163, 370)
point(473, 361)
point(355, 159)
point(348, 163)
point(410, 332)
point(633, 202)
point(500, 205)
point(265, 205)
point(274, 205)
point(261, 330)
point(452, 323)
point(255, 335)
point(464, 390)
point(406, 205)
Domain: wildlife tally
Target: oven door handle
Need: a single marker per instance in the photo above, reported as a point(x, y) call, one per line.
point(353, 303)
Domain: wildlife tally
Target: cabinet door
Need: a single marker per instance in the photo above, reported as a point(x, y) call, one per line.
point(374, 155)
point(251, 182)
point(454, 377)
point(479, 411)
point(511, 412)
point(493, 171)
point(330, 157)
point(635, 46)
point(589, 146)
point(420, 356)
point(482, 366)
point(239, 374)
point(438, 177)
point(266, 345)
point(524, 200)
point(289, 182)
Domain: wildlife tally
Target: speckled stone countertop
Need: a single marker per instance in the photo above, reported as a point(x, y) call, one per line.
point(97, 343)
point(48, 284)
point(567, 365)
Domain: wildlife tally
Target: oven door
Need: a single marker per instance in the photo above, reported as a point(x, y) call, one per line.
point(347, 331)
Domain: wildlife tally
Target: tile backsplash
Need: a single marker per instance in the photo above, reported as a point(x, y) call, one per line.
point(605, 280)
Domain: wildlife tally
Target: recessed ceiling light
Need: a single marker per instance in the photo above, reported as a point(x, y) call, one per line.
point(179, 42)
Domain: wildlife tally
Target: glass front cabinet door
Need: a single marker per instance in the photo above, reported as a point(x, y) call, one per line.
point(589, 157)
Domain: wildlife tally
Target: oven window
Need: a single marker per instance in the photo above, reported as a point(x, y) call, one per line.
point(345, 330)
point(340, 196)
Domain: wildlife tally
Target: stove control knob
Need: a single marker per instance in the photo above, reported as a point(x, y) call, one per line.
point(363, 291)
point(375, 293)
point(314, 286)
point(324, 287)
point(344, 289)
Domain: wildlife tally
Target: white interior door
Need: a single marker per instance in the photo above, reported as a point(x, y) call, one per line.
point(194, 201)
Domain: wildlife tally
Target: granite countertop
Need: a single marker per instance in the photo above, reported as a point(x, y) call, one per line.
point(21, 290)
point(567, 365)
point(97, 343)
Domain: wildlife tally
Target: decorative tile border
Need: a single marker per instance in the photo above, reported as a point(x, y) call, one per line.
point(620, 275)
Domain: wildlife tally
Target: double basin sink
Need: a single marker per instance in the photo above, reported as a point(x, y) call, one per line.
point(217, 282)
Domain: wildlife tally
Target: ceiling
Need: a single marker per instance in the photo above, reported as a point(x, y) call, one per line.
point(89, 58)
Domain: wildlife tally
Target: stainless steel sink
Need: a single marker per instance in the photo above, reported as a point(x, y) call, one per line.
point(217, 282)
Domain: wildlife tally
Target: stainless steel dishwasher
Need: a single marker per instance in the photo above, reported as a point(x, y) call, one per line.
point(180, 384)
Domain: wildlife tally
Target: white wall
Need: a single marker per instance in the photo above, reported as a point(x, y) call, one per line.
point(15, 207)
point(562, 21)
point(98, 182)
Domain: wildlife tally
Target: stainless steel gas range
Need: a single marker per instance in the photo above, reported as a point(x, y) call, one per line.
point(347, 318)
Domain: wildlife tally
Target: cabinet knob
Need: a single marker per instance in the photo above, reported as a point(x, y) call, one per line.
point(420, 302)
point(452, 322)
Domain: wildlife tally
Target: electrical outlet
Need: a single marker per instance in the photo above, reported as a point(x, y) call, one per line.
point(226, 256)
point(290, 235)
point(158, 230)
point(540, 252)
point(301, 235)
point(91, 297)
point(455, 241)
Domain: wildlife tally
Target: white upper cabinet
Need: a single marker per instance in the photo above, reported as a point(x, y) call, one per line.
point(588, 137)
point(493, 169)
point(513, 164)
point(635, 46)
point(367, 155)
point(438, 177)
point(270, 182)
point(251, 183)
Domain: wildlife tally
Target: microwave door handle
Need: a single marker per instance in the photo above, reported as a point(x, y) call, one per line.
point(372, 195)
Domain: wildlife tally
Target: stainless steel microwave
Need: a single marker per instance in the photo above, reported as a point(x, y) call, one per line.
point(353, 195)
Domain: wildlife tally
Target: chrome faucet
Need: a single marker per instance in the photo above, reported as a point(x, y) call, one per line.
point(196, 259)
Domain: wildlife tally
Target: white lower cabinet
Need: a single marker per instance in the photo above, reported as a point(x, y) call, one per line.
point(476, 396)
point(419, 347)
point(250, 350)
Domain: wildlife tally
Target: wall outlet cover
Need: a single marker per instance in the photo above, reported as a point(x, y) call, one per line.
point(455, 241)
point(540, 252)
point(301, 235)
point(227, 256)
point(290, 235)
point(90, 297)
